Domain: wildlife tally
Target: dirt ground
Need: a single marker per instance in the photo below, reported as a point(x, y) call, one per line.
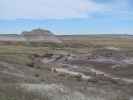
point(66, 72)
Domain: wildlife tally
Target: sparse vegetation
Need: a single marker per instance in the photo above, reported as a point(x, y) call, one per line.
point(14, 92)
point(33, 63)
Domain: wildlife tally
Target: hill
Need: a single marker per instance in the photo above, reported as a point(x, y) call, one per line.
point(40, 35)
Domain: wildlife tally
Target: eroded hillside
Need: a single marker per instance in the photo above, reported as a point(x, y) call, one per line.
point(68, 72)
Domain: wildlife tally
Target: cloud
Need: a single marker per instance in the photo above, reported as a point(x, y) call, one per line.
point(62, 9)
point(46, 9)
point(119, 9)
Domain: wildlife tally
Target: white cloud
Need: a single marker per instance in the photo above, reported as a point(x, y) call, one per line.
point(118, 9)
point(61, 9)
point(46, 9)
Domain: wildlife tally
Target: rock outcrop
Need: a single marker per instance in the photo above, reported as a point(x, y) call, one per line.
point(40, 35)
point(36, 35)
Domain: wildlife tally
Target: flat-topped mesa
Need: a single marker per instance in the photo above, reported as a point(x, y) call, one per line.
point(40, 35)
point(36, 32)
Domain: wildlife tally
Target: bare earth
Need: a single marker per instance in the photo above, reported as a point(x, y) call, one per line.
point(84, 70)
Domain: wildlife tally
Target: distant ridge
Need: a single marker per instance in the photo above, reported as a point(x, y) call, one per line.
point(35, 35)
point(99, 35)
point(40, 35)
point(38, 32)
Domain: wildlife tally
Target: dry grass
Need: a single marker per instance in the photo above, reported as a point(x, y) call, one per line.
point(21, 54)
point(14, 92)
point(98, 42)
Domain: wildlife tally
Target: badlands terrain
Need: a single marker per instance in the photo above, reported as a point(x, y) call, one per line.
point(77, 68)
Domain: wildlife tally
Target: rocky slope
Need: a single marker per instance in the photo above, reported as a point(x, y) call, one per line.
point(40, 35)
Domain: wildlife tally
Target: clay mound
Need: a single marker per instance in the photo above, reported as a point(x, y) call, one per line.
point(40, 35)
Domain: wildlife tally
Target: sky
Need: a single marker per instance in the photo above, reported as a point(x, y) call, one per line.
point(67, 16)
